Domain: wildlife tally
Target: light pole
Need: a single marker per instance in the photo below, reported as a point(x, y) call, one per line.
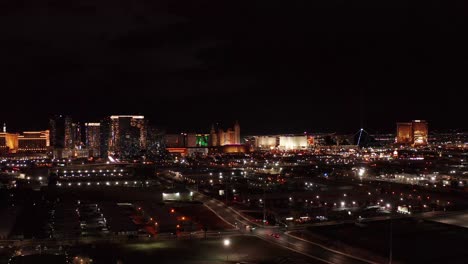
point(227, 243)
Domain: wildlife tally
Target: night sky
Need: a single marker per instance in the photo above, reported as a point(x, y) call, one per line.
point(276, 66)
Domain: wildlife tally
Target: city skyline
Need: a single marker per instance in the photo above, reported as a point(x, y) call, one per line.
point(389, 128)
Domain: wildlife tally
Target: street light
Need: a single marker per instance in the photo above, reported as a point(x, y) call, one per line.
point(227, 243)
point(361, 172)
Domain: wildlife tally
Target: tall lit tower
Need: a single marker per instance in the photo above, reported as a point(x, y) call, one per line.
point(68, 133)
point(60, 131)
point(237, 139)
point(105, 136)
point(420, 132)
point(4, 127)
point(413, 133)
point(93, 138)
point(128, 134)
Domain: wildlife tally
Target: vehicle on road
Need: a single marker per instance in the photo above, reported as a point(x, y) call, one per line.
point(275, 235)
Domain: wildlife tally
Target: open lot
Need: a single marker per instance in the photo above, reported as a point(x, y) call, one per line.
point(203, 217)
point(242, 248)
point(414, 241)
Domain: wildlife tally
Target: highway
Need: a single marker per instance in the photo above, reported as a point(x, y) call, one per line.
point(277, 237)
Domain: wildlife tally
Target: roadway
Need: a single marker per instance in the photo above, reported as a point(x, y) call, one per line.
point(274, 235)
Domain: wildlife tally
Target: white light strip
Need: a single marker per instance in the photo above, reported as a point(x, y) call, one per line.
point(123, 116)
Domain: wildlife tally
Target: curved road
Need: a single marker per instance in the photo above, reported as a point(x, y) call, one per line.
point(277, 237)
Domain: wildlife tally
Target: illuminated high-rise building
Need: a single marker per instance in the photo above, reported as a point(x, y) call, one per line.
point(404, 133)
point(127, 135)
point(420, 132)
point(61, 132)
point(412, 133)
point(76, 135)
point(93, 138)
point(68, 136)
point(105, 135)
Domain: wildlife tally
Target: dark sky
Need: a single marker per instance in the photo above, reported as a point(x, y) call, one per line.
point(276, 66)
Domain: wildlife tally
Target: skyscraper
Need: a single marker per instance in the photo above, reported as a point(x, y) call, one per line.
point(93, 138)
point(414, 133)
point(76, 135)
point(420, 132)
point(60, 131)
point(128, 135)
point(68, 133)
point(105, 135)
point(404, 133)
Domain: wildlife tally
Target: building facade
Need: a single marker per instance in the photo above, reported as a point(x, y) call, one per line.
point(412, 133)
point(26, 142)
point(266, 142)
point(283, 142)
point(127, 135)
point(8, 142)
point(37, 141)
point(293, 142)
point(60, 131)
point(76, 136)
point(221, 137)
point(93, 138)
point(105, 134)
